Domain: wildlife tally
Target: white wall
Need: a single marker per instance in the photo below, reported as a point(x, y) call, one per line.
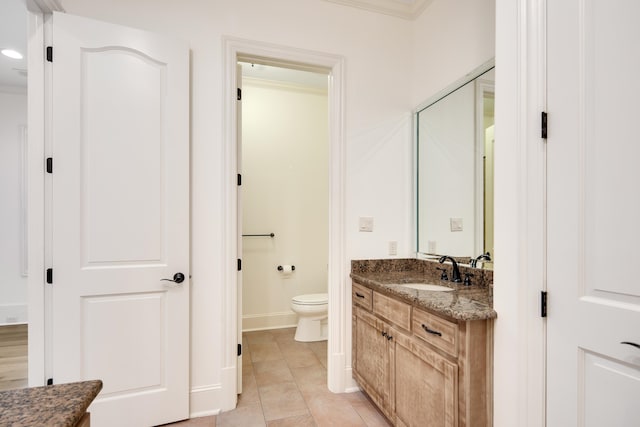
point(13, 287)
point(285, 190)
point(378, 102)
point(450, 39)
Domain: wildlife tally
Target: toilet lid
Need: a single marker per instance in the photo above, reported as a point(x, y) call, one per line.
point(311, 299)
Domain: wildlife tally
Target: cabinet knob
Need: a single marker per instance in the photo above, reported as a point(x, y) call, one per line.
point(384, 334)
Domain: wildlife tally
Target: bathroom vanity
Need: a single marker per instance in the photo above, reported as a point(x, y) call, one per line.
point(423, 356)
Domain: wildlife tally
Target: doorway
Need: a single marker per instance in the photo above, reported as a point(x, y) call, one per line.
point(285, 179)
point(13, 192)
point(283, 147)
point(235, 50)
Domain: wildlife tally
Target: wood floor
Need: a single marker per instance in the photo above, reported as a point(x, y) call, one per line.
point(13, 356)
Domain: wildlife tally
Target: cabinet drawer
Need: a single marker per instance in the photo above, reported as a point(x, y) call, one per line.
point(394, 311)
point(362, 296)
point(436, 331)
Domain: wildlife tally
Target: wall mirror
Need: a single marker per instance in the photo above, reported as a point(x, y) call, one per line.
point(454, 170)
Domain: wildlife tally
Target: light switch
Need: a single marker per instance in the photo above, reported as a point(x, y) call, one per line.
point(456, 224)
point(366, 223)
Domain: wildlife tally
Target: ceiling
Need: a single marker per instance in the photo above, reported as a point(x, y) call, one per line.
point(13, 35)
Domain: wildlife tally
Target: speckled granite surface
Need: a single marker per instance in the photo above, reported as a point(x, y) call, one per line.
point(473, 302)
point(61, 405)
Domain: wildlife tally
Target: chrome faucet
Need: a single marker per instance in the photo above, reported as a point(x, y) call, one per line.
point(485, 256)
point(455, 272)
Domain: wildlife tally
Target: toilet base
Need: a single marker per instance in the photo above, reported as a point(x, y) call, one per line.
point(312, 329)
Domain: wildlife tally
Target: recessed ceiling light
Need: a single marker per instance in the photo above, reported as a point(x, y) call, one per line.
point(11, 53)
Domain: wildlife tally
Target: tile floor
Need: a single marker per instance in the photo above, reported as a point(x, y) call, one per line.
point(285, 384)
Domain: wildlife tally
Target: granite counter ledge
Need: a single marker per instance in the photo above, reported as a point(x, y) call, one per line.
point(60, 405)
point(462, 303)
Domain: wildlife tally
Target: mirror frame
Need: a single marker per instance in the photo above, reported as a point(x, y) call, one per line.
point(472, 75)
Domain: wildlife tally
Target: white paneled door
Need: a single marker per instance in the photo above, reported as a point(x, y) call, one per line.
point(593, 372)
point(120, 219)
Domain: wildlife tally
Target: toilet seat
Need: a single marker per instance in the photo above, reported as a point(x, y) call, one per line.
point(311, 299)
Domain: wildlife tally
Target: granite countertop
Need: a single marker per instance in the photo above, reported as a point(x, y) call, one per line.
point(473, 302)
point(61, 405)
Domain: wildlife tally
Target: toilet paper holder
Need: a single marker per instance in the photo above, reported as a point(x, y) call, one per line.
point(293, 268)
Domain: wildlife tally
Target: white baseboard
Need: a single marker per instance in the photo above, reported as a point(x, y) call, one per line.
point(205, 401)
point(228, 396)
point(350, 385)
point(259, 322)
point(12, 314)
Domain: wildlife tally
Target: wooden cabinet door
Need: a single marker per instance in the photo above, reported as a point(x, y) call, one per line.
point(371, 362)
point(426, 385)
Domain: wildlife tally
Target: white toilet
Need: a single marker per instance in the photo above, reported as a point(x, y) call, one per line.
point(312, 312)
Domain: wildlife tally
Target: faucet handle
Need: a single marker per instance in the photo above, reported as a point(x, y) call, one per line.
point(443, 276)
point(467, 279)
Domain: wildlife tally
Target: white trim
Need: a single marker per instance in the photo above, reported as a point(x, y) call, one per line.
point(201, 398)
point(519, 389)
point(482, 87)
point(45, 6)
point(406, 9)
point(457, 84)
point(24, 203)
point(35, 200)
point(13, 314)
point(235, 49)
point(265, 321)
point(37, 128)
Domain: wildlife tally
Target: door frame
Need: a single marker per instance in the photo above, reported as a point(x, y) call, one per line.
point(38, 215)
point(520, 214)
point(339, 371)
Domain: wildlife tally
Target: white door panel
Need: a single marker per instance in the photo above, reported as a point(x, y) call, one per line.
point(120, 208)
point(593, 207)
point(601, 407)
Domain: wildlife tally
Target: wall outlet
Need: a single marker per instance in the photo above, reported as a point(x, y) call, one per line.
point(11, 319)
point(393, 247)
point(456, 224)
point(365, 224)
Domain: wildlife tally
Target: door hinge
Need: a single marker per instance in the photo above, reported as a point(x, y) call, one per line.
point(239, 94)
point(49, 164)
point(543, 303)
point(239, 349)
point(543, 125)
point(239, 264)
point(239, 179)
point(50, 381)
point(50, 53)
point(50, 275)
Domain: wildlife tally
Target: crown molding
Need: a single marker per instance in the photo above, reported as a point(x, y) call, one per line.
point(406, 9)
point(44, 6)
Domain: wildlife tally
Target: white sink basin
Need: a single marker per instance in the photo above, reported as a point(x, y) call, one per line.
point(426, 287)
